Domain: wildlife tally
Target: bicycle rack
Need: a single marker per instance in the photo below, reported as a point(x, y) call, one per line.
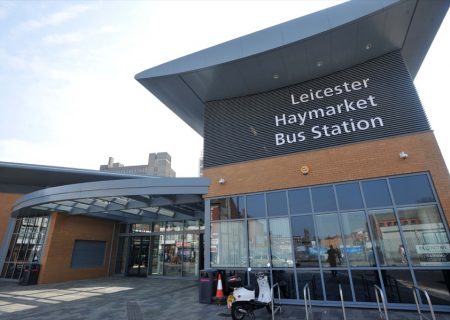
point(277, 308)
point(378, 293)
point(342, 302)
point(307, 298)
point(416, 298)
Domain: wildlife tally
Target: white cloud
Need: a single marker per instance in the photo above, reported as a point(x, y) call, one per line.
point(65, 38)
point(54, 19)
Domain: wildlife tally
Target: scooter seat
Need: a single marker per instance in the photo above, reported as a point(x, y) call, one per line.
point(251, 288)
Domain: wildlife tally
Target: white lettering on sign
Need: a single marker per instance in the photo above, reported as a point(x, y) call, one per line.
point(303, 117)
point(433, 248)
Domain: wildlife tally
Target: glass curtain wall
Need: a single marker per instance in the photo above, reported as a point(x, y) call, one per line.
point(160, 249)
point(385, 231)
point(25, 246)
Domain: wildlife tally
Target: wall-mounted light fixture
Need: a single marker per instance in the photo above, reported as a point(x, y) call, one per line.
point(304, 170)
point(221, 181)
point(403, 155)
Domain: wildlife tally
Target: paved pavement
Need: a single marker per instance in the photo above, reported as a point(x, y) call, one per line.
point(141, 299)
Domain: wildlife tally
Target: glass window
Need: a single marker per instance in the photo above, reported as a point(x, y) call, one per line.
point(280, 243)
point(191, 225)
point(376, 193)
point(388, 244)
point(258, 243)
point(425, 235)
point(363, 282)
point(304, 238)
point(299, 201)
point(218, 209)
point(349, 196)
point(411, 190)
point(437, 284)
point(228, 245)
point(330, 240)
point(323, 199)
point(277, 203)
point(141, 228)
point(237, 207)
point(398, 286)
point(358, 247)
point(286, 281)
point(227, 208)
point(256, 206)
point(332, 281)
point(314, 281)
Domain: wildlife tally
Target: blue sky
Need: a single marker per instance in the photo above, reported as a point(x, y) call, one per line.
point(67, 91)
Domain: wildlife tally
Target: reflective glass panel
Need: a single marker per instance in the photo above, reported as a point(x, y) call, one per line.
point(363, 282)
point(258, 243)
point(227, 208)
point(286, 281)
point(190, 254)
point(411, 190)
point(425, 236)
point(330, 240)
point(358, 247)
point(228, 245)
point(304, 238)
point(299, 201)
point(141, 228)
point(323, 199)
point(280, 243)
point(256, 206)
point(277, 203)
point(376, 193)
point(314, 281)
point(173, 254)
point(388, 244)
point(398, 285)
point(349, 196)
point(332, 281)
point(237, 207)
point(437, 284)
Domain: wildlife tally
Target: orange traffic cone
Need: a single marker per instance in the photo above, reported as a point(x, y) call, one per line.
point(219, 292)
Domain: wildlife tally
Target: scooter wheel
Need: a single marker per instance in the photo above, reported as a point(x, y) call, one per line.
point(239, 310)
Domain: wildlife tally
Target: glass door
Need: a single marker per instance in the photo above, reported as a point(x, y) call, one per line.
point(138, 260)
point(156, 255)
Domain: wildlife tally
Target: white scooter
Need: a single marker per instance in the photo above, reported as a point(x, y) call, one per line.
point(243, 303)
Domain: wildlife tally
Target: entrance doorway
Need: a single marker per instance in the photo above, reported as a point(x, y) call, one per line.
point(138, 260)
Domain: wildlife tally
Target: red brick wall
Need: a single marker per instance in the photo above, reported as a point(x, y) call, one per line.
point(63, 230)
point(6, 203)
point(345, 163)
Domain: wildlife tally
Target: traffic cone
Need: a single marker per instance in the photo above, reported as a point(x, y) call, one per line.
point(219, 298)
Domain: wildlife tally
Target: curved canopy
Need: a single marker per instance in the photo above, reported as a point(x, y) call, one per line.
point(132, 200)
point(302, 49)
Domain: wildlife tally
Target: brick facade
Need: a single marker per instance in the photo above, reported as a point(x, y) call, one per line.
point(63, 230)
point(345, 163)
point(7, 201)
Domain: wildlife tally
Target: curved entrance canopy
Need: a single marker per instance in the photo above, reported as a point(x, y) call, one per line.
point(132, 200)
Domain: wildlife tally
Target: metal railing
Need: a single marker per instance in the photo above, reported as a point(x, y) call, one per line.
point(278, 307)
point(378, 293)
point(307, 298)
point(342, 302)
point(416, 298)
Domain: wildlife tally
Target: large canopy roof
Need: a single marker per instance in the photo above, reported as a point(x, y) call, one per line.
point(296, 51)
point(141, 200)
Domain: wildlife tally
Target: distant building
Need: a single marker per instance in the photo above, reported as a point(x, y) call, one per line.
point(159, 164)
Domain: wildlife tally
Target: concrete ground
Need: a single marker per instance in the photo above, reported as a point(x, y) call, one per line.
point(136, 299)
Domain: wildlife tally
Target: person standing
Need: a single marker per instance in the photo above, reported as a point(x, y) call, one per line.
point(332, 259)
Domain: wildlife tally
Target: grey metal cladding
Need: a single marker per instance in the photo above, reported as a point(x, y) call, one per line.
point(244, 128)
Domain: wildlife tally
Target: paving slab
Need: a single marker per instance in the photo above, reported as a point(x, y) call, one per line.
point(143, 299)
